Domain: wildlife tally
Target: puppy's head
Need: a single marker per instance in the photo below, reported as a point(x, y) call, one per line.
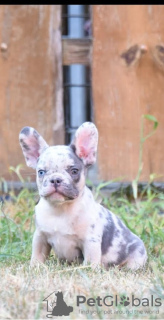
point(60, 169)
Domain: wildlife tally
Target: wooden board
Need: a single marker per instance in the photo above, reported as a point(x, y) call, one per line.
point(128, 81)
point(30, 77)
point(76, 51)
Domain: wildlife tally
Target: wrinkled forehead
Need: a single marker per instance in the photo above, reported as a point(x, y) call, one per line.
point(58, 157)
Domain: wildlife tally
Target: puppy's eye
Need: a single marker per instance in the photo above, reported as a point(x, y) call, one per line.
point(41, 173)
point(74, 171)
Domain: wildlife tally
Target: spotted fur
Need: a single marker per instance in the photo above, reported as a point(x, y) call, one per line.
point(67, 217)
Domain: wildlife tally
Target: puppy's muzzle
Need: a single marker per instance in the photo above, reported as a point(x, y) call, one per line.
point(56, 182)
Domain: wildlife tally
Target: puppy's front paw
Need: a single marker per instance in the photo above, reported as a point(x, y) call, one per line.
point(94, 265)
point(34, 263)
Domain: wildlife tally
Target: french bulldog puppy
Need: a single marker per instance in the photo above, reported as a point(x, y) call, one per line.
point(67, 217)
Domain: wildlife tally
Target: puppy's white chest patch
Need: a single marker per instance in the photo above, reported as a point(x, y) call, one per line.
point(60, 232)
point(66, 246)
point(52, 225)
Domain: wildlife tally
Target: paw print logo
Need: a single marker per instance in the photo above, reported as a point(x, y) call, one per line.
point(125, 301)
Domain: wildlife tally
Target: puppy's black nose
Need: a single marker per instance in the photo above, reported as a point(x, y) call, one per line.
point(56, 181)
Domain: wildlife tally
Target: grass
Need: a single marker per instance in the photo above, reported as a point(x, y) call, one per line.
point(23, 289)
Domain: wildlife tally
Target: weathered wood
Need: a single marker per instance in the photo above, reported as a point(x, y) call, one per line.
point(128, 80)
point(30, 77)
point(76, 51)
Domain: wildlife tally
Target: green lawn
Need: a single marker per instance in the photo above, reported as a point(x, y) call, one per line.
point(23, 289)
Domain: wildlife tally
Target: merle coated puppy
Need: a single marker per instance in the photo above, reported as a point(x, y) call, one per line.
point(67, 217)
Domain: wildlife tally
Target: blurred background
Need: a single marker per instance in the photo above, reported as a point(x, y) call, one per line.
point(61, 65)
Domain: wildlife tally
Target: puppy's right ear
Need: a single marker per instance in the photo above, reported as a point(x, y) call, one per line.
point(32, 145)
point(85, 143)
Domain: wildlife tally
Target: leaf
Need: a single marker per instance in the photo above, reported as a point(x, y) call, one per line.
point(151, 227)
point(107, 183)
point(151, 118)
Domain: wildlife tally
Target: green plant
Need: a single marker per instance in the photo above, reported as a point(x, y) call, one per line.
point(16, 222)
point(17, 171)
point(142, 141)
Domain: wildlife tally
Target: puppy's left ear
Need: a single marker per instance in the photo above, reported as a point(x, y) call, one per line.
point(85, 143)
point(32, 144)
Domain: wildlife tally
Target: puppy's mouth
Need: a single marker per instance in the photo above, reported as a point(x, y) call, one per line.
point(58, 193)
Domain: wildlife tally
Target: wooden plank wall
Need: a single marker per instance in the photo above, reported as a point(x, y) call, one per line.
point(128, 81)
point(30, 77)
point(128, 74)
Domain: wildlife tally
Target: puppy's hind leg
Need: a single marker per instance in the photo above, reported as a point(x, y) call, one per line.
point(137, 259)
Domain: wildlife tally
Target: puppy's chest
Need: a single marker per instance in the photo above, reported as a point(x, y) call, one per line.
point(63, 233)
point(52, 225)
point(61, 226)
